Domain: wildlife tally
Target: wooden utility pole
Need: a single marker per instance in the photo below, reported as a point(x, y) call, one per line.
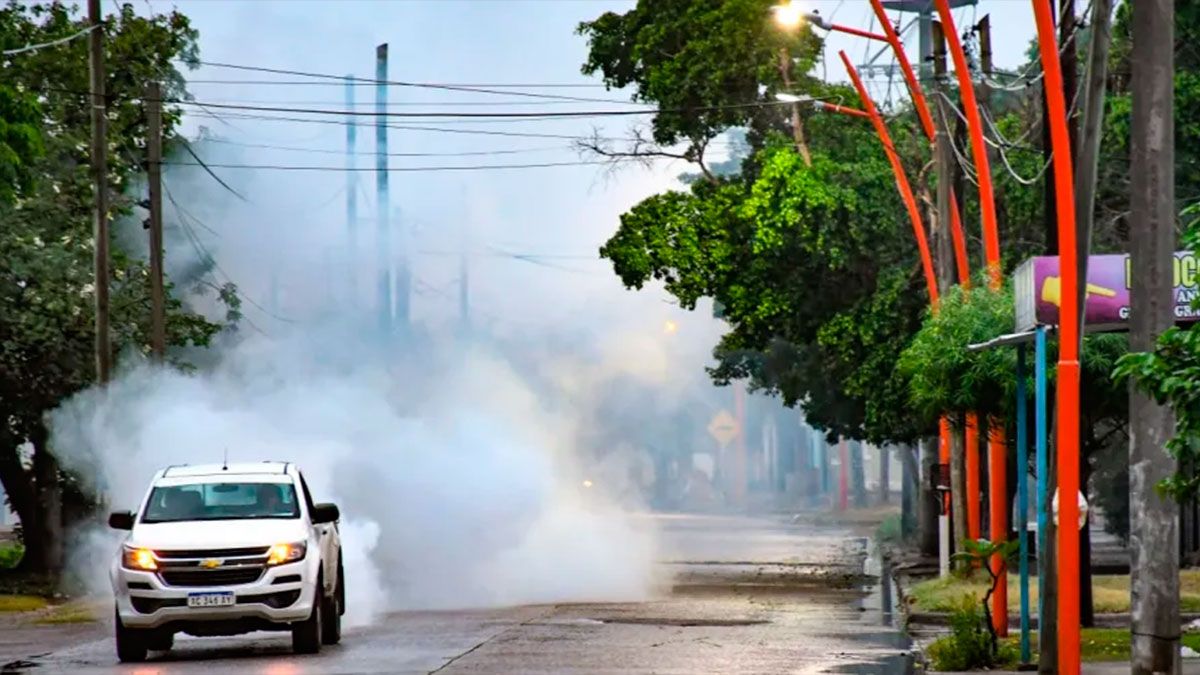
point(1154, 519)
point(103, 346)
point(946, 167)
point(158, 302)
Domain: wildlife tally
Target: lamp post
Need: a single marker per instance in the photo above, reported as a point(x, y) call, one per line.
point(1068, 349)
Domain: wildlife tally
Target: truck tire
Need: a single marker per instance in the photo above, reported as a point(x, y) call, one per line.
point(131, 642)
point(331, 621)
point(341, 586)
point(306, 634)
point(161, 641)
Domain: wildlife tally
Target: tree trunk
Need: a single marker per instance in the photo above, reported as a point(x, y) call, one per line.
point(910, 490)
point(49, 501)
point(885, 475)
point(1154, 517)
point(928, 505)
point(958, 480)
point(858, 476)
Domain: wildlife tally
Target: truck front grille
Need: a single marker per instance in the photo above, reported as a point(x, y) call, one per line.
point(209, 578)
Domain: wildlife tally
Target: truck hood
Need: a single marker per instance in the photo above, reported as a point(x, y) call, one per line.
point(201, 534)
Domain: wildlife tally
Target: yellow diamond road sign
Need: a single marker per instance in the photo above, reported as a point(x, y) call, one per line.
point(723, 427)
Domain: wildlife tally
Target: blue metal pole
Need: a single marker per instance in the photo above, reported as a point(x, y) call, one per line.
point(1043, 464)
point(1023, 501)
point(351, 261)
point(383, 205)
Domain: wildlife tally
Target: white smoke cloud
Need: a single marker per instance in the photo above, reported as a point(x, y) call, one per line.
point(458, 463)
point(468, 494)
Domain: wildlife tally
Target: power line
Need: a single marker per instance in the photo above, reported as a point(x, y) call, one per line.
point(399, 83)
point(206, 256)
point(413, 104)
point(368, 169)
point(471, 115)
point(53, 43)
point(258, 83)
point(323, 151)
point(403, 127)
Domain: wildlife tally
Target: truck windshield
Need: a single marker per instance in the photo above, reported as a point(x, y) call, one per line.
point(221, 501)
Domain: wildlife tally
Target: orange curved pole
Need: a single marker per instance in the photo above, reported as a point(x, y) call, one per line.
point(987, 199)
point(1068, 350)
point(910, 202)
point(845, 110)
point(922, 106)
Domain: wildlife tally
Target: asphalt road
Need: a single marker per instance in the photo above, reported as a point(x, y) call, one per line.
point(749, 596)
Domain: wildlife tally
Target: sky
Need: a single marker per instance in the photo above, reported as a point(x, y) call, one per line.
point(564, 213)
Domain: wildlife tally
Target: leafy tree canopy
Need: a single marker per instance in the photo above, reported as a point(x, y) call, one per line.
point(46, 282)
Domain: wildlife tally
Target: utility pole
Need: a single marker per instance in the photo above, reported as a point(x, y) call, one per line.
point(1087, 154)
point(944, 158)
point(925, 41)
point(158, 301)
point(383, 207)
point(351, 195)
point(946, 169)
point(103, 347)
point(1154, 519)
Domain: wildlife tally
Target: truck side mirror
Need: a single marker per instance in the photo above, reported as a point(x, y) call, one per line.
point(325, 513)
point(121, 520)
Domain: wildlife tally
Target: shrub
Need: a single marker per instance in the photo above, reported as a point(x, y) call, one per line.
point(10, 555)
point(969, 644)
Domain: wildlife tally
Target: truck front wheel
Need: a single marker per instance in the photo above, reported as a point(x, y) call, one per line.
point(131, 643)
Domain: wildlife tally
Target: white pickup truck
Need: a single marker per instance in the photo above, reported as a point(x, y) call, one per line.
point(225, 550)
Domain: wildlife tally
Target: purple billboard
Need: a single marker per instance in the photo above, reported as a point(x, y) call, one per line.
point(1038, 289)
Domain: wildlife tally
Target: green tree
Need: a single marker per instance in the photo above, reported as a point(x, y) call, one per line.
point(709, 66)
point(46, 312)
point(20, 142)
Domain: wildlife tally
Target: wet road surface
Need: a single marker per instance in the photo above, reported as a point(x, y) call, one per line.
point(748, 596)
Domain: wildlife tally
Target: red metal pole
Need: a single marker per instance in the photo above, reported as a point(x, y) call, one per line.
point(923, 113)
point(987, 204)
point(974, 495)
point(845, 110)
point(998, 510)
point(910, 202)
point(856, 31)
point(1068, 348)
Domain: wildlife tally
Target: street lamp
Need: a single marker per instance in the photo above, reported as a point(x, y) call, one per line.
point(790, 15)
point(825, 106)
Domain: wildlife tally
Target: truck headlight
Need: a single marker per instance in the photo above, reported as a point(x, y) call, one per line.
point(281, 554)
point(138, 559)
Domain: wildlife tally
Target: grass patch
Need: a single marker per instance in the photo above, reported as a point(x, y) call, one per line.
point(1110, 593)
point(21, 603)
point(1097, 645)
point(890, 531)
point(72, 612)
point(1105, 644)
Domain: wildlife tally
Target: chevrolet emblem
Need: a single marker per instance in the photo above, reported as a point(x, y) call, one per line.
point(211, 563)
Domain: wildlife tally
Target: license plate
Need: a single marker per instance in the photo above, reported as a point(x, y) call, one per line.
point(210, 599)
